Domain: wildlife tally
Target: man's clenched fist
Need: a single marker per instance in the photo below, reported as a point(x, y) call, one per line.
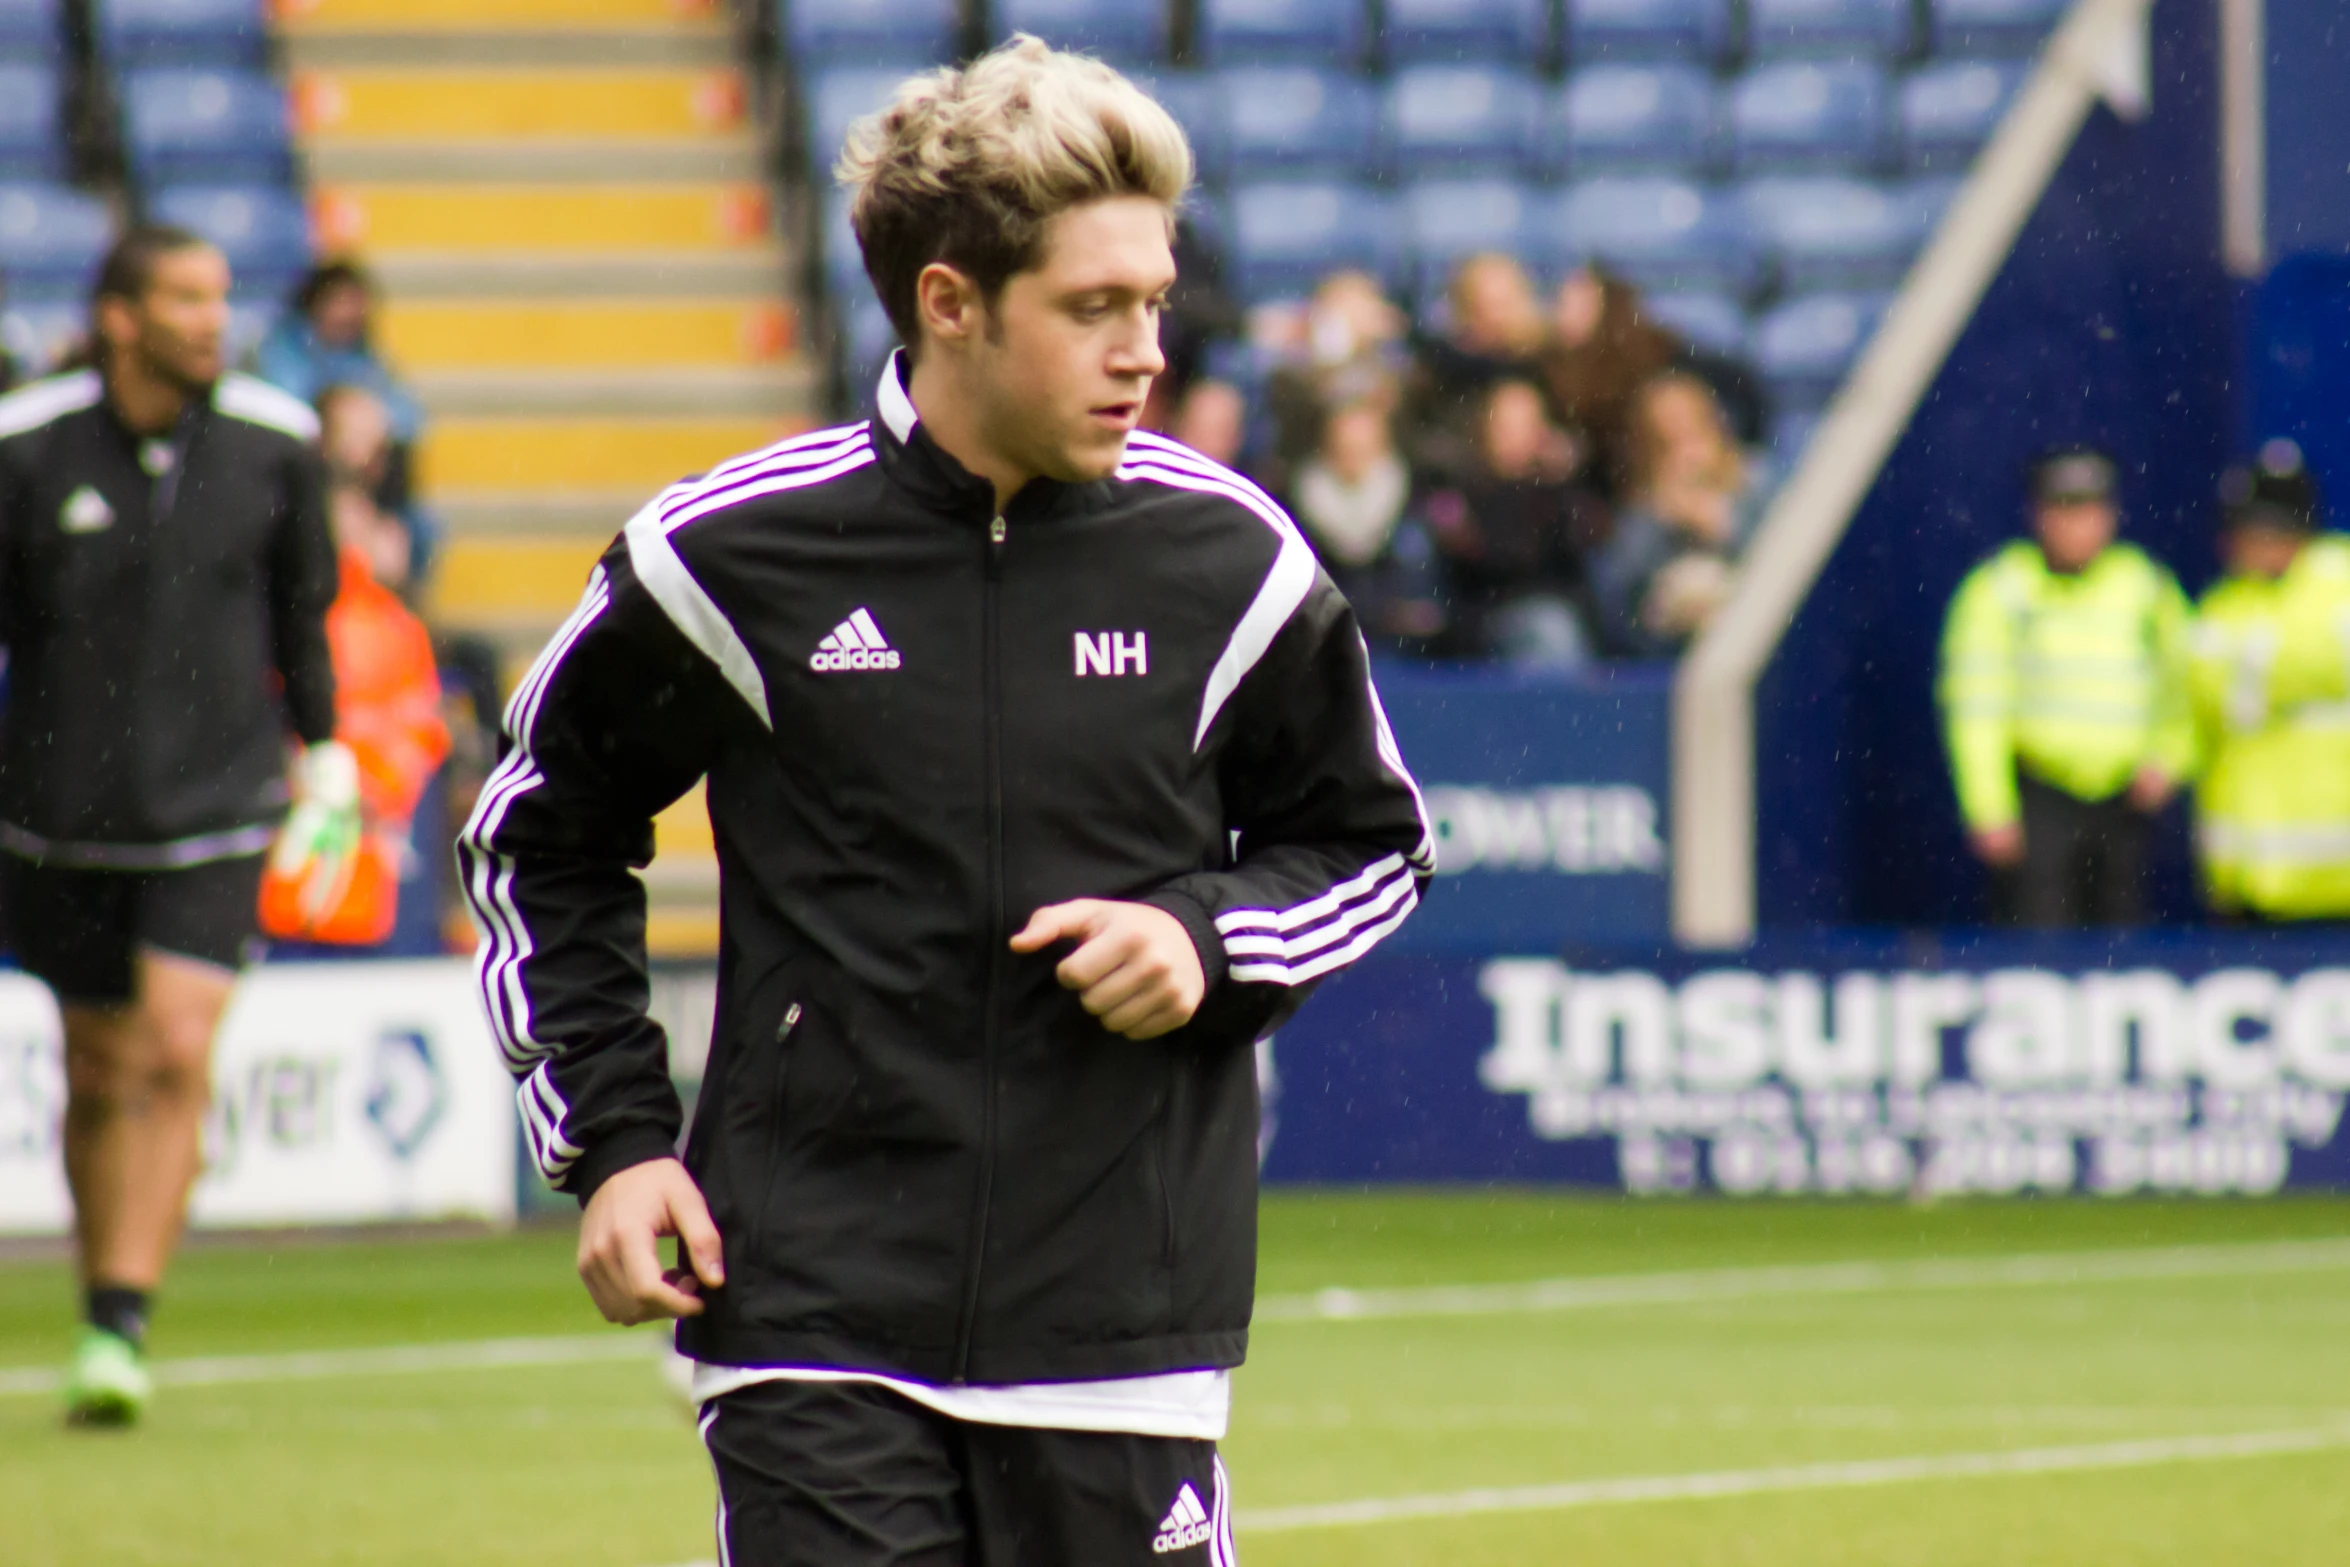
point(620, 1244)
point(1134, 968)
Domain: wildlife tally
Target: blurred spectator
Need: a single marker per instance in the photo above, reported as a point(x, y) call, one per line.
point(1601, 350)
point(1353, 496)
point(1514, 535)
point(355, 436)
point(325, 339)
point(1348, 329)
point(1212, 419)
point(1494, 332)
point(1199, 315)
point(1689, 505)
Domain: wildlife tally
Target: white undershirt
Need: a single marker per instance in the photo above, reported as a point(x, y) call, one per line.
point(1194, 1404)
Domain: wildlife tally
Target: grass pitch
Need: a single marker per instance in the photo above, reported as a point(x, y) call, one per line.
point(2188, 1407)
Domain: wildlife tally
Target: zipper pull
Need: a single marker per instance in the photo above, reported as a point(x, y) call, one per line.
point(791, 1020)
point(996, 531)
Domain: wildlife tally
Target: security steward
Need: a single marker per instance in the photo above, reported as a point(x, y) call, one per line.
point(2063, 693)
point(2270, 676)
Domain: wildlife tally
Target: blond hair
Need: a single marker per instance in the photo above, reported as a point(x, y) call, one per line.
point(967, 166)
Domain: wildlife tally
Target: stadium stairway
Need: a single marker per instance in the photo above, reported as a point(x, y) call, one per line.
point(565, 204)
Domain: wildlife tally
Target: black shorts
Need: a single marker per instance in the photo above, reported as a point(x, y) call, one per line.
point(848, 1474)
point(78, 929)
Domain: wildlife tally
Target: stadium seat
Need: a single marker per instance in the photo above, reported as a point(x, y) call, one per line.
point(1993, 27)
point(1804, 347)
point(1196, 99)
point(38, 335)
point(1446, 220)
point(835, 100)
point(1923, 201)
point(1694, 30)
point(225, 35)
point(1826, 232)
point(32, 32)
point(872, 32)
point(184, 127)
point(1123, 32)
point(51, 239)
point(1949, 110)
point(1287, 120)
point(1327, 33)
point(32, 133)
point(844, 263)
point(1286, 235)
point(1663, 234)
point(262, 229)
point(866, 340)
point(1621, 119)
point(1462, 119)
point(1829, 29)
point(1514, 32)
point(1805, 116)
point(1712, 322)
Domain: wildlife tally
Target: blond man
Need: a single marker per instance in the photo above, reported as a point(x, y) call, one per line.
point(1047, 776)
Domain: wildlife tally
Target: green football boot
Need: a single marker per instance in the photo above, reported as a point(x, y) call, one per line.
point(108, 1383)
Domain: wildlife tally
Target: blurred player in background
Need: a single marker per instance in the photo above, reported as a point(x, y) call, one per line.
point(1046, 776)
point(2064, 701)
point(165, 572)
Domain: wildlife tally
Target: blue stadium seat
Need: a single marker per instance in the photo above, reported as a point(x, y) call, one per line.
point(1462, 119)
point(211, 127)
point(222, 34)
point(1826, 232)
point(1123, 32)
point(1713, 322)
point(1829, 29)
point(32, 127)
point(1620, 119)
point(51, 240)
point(1949, 109)
point(1286, 235)
point(1196, 99)
point(835, 100)
point(866, 340)
point(32, 32)
point(1805, 116)
point(1514, 32)
point(1694, 30)
point(1923, 201)
point(262, 229)
point(37, 335)
point(872, 32)
point(1663, 234)
point(1791, 432)
point(1313, 32)
point(1993, 27)
point(1446, 220)
point(1804, 346)
point(1289, 120)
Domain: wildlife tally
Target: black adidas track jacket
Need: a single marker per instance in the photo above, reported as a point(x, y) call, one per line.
point(920, 722)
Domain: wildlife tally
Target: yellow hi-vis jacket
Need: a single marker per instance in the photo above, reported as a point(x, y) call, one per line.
point(2271, 683)
point(2078, 680)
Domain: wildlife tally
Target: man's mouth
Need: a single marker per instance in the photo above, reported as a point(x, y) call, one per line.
point(1119, 416)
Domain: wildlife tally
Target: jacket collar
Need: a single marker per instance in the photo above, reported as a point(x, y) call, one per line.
point(934, 477)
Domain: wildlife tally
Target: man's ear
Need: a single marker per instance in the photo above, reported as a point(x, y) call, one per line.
point(948, 305)
point(118, 323)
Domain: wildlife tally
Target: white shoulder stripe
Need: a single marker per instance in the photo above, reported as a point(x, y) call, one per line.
point(44, 402)
point(725, 482)
point(1159, 448)
point(765, 482)
point(257, 402)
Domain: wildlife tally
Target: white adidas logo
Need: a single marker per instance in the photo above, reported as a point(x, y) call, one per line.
point(856, 643)
point(1185, 1525)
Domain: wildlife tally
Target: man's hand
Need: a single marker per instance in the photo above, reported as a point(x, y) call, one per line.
point(619, 1244)
point(1134, 968)
point(2151, 789)
point(1999, 847)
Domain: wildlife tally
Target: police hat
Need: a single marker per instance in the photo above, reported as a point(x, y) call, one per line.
point(2076, 473)
point(2274, 490)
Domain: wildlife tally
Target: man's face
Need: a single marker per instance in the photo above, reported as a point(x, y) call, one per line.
point(178, 330)
point(339, 315)
point(1074, 342)
point(2074, 533)
point(2254, 549)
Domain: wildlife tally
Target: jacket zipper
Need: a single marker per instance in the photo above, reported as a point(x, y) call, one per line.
point(991, 705)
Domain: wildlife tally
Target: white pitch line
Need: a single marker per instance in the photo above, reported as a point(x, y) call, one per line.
point(1795, 1477)
point(388, 1360)
point(1703, 1286)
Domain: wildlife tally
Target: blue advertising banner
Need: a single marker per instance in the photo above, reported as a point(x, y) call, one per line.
point(2205, 1062)
point(1548, 795)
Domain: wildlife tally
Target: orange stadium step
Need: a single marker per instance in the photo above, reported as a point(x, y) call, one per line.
point(554, 218)
point(511, 582)
point(634, 456)
point(467, 105)
point(422, 336)
point(300, 16)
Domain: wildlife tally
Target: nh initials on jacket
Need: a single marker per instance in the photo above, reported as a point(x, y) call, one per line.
point(926, 1159)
